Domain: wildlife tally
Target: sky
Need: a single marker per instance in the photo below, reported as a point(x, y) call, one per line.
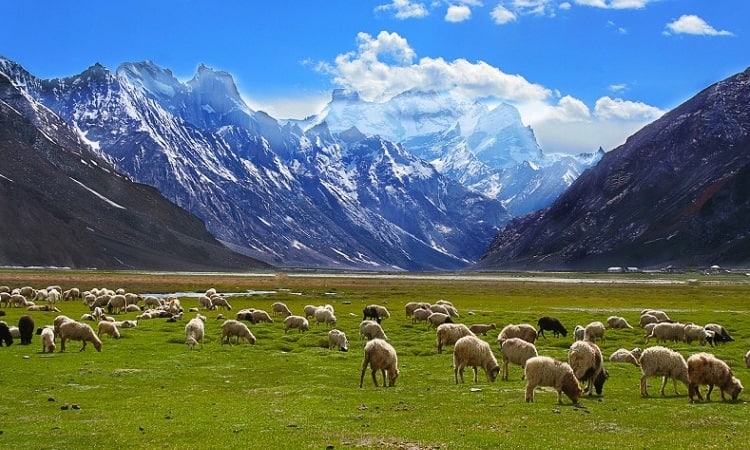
point(583, 73)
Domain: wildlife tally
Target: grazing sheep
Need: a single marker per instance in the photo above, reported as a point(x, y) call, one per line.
point(337, 339)
point(244, 314)
point(623, 355)
point(18, 301)
point(660, 361)
point(375, 312)
point(297, 322)
point(442, 309)
point(480, 328)
point(108, 328)
point(705, 368)
point(116, 304)
point(516, 351)
point(474, 352)
point(152, 302)
point(523, 331)
point(648, 329)
point(667, 331)
point(647, 319)
point(53, 296)
point(194, 332)
point(370, 330)
point(720, 333)
point(586, 360)
point(661, 316)
point(132, 308)
point(205, 302)
point(420, 315)
point(5, 335)
point(4, 299)
point(47, 336)
point(413, 306)
point(323, 315)
point(449, 333)
point(695, 332)
point(26, 329)
point(258, 315)
point(220, 302)
point(380, 355)
point(78, 331)
point(552, 324)
point(71, 294)
point(59, 320)
point(280, 308)
point(435, 319)
point(237, 329)
point(579, 333)
point(309, 311)
point(594, 331)
point(546, 371)
point(618, 323)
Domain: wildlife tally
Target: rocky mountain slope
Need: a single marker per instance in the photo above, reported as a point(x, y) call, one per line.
point(676, 193)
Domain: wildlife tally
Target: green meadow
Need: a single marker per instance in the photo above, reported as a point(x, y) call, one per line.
point(148, 390)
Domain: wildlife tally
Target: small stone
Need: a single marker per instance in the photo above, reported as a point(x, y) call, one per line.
point(51, 399)
point(75, 406)
point(64, 407)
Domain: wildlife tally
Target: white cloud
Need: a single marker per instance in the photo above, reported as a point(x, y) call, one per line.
point(501, 15)
point(458, 13)
point(386, 65)
point(618, 109)
point(615, 4)
point(692, 24)
point(296, 106)
point(618, 87)
point(404, 9)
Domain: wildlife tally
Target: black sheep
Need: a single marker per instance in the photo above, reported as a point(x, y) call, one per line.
point(26, 329)
point(370, 312)
point(5, 335)
point(551, 324)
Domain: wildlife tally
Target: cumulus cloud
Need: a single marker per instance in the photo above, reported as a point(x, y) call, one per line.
point(404, 9)
point(692, 24)
point(616, 108)
point(502, 15)
point(458, 13)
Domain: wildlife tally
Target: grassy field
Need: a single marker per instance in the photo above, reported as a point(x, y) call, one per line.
point(147, 390)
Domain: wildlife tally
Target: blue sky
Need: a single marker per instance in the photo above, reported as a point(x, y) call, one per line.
point(583, 73)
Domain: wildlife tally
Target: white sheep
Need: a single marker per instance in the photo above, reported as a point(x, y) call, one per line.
point(281, 308)
point(126, 323)
point(194, 332)
point(205, 302)
point(220, 302)
point(375, 312)
point(108, 328)
point(623, 355)
point(449, 333)
point(48, 339)
point(53, 296)
point(667, 331)
point(523, 331)
point(337, 339)
point(594, 331)
point(116, 304)
point(59, 320)
point(413, 306)
point(705, 368)
point(661, 316)
point(720, 333)
point(695, 332)
point(617, 322)
point(369, 329)
point(324, 315)
point(579, 332)
point(309, 311)
point(586, 360)
point(442, 309)
point(516, 351)
point(297, 322)
point(380, 355)
point(234, 328)
point(647, 319)
point(474, 352)
point(481, 328)
point(258, 315)
point(78, 331)
point(435, 319)
point(420, 315)
point(546, 371)
point(152, 302)
point(660, 361)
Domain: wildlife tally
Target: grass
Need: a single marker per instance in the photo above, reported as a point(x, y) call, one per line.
point(147, 390)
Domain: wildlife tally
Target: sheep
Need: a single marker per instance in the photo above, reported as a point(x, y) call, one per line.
point(661, 316)
point(132, 299)
point(369, 330)
point(43, 308)
point(435, 319)
point(244, 314)
point(449, 333)
point(220, 302)
point(616, 322)
point(660, 361)
point(71, 294)
point(480, 328)
point(174, 306)
point(206, 303)
point(5, 335)
point(623, 355)
point(194, 332)
point(420, 315)
point(552, 324)
point(236, 328)
point(442, 309)
point(594, 331)
point(579, 332)
point(78, 331)
point(297, 322)
point(667, 331)
point(705, 368)
point(152, 302)
point(648, 329)
point(546, 371)
point(116, 304)
point(47, 336)
point(309, 311)
point(108, 328)
point(59, 320)
point(26, 329)
point(258, 315)
point(337, 339)
point(474, 352)
point(524, 331)
point(376, 312)
point(747, 359)
point(720, 333)
point(585, 358)
point(413, 306)
point(280, 308)
point(18, 300)
point(695, 332)
point(380, 355)
point(126, 324)
point(132, 308)
point(53, 296)
point(323, 315)
point(4, 299)
point(647, 319)
point(516, 351)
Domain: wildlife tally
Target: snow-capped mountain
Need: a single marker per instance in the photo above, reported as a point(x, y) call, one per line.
point(314, 197)
point(487, 150)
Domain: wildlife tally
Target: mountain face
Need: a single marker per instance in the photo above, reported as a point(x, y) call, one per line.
point(677, 192)
point(486, 150)
point(65, 206)
point(315, 197)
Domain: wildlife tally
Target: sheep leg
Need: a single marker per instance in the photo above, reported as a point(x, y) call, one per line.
point(644, 389)
point(474, 368)
point(362, 375)
point(529, 393)
point(375, 378)
point(708, 394)
point(559, 397)
point(83, 347)
point(62, 344)
point(505, 370)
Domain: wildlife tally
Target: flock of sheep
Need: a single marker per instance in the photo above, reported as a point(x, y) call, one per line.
point(584, 365)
